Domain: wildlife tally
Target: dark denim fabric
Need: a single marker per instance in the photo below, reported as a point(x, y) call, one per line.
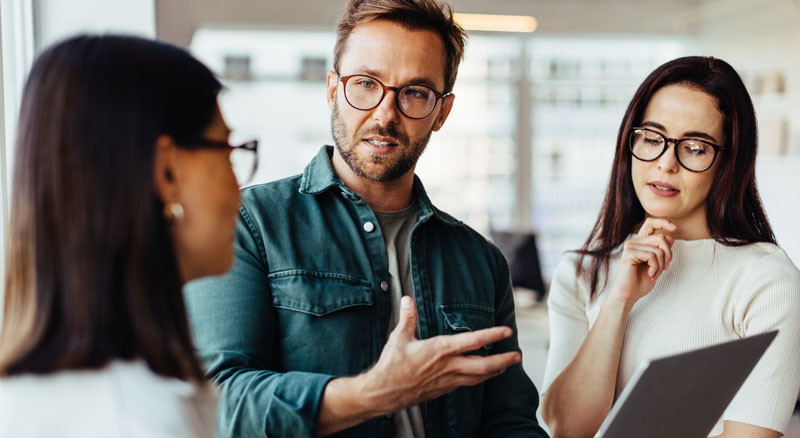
point(304, 304)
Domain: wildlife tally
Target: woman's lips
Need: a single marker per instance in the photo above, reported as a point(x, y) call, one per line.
point(662, 189)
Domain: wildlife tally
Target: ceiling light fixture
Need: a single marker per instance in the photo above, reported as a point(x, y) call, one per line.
point(497, 23)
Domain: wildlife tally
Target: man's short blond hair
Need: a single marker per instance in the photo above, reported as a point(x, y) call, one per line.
point(430, 15)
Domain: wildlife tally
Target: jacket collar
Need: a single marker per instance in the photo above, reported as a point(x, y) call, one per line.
point(319, 176)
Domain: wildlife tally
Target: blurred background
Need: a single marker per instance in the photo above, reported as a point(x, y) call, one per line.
point(524, 157)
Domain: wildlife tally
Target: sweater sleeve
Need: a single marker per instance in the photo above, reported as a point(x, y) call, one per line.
point(569, 323)
point(769, 299)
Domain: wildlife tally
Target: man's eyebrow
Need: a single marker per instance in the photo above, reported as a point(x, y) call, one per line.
point(695, 134)
point(419, 80)
point(423, 81)
point(370, 72)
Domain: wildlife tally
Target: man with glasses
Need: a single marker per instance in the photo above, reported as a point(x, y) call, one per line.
point(354, 305)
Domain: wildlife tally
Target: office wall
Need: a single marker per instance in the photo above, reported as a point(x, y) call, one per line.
point(57, 19)
point(763, 44)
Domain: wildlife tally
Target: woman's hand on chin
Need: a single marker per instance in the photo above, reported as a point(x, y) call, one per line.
point(644, 258)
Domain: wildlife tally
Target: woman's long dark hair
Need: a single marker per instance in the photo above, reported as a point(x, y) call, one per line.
point(91, 270)
point(734, 213)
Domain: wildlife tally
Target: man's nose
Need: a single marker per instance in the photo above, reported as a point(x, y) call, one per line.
point(386, 112)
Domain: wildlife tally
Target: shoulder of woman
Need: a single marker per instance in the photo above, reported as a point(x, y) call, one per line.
point(135, 377)
point(567, 265)
point(767, 274)
point(124, 395)
point(566, 280)
point(768, 258)
point(161, 404)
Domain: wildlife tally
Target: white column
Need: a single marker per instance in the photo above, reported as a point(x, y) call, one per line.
point(16, 55)
point(28, 26)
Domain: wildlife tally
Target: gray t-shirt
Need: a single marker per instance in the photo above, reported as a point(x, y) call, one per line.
point(396, 227)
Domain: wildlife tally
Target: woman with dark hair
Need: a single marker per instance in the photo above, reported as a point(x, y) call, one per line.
point(123, 192)
point(681, 257)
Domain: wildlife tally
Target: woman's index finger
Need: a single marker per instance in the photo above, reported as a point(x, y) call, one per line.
point(650, 226)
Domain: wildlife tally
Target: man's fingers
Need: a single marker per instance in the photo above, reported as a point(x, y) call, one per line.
point(484, 367)
point(470, 341)
point(407, 323)
point(471, 370)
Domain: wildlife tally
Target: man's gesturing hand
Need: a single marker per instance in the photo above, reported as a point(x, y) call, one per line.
point(410, 370)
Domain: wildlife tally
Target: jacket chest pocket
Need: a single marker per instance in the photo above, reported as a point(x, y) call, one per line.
point(464, 405)
point(324, 321)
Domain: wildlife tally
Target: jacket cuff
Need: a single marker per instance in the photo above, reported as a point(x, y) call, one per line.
point(294, 407)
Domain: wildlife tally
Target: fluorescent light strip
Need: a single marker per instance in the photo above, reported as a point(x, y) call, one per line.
point(497, 23)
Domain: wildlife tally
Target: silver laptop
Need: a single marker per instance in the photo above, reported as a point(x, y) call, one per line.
point(683, 395)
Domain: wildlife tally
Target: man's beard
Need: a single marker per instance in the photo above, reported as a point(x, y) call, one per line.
point(376, 167)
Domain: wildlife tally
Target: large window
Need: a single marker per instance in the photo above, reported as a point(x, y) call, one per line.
point(275, 91)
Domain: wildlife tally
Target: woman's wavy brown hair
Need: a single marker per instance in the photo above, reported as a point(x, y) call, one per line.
point(734, 212)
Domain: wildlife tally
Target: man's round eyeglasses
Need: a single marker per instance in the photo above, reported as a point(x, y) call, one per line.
point(244, 157)
point(693, 154)
point(414, 101)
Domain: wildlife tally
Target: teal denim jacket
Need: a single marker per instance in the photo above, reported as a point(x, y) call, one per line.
point(303, 304)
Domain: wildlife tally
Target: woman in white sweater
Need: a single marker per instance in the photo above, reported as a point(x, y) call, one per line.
point(123, 191)
point(681, 257)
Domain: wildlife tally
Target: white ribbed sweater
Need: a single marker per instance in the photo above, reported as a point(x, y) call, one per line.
point(711, 293)
point(123, 399)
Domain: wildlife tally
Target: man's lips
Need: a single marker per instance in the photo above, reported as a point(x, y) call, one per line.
point(380, 145)
point(381, 141)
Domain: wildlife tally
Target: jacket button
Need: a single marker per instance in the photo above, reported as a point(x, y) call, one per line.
point(369, 227)
point(344, 195)
point(384, 286)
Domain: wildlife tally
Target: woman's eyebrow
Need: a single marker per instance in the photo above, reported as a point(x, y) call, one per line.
point(700, 134)
point(696, 134)
point(654, 125)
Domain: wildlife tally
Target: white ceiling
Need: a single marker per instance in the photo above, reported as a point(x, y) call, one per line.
point(176, 20)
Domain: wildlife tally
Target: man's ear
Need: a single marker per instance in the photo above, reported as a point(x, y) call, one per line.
point(166, 173)
point(447, 105)
point(332, 85)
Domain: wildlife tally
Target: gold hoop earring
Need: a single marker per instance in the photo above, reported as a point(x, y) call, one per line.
point(173, 212)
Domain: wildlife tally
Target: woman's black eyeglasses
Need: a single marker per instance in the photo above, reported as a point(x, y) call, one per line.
point(693, 154)
point(244, 157)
